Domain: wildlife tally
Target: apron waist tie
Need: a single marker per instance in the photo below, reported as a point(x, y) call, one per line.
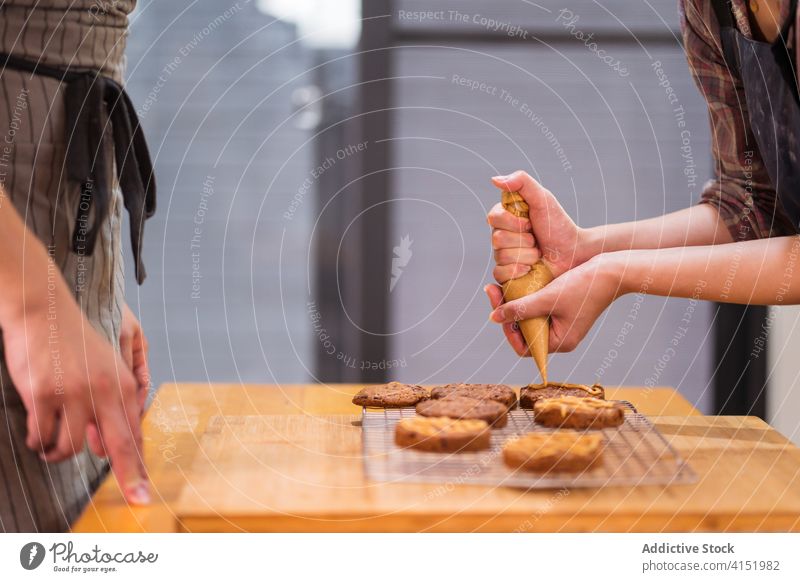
point(87, 96)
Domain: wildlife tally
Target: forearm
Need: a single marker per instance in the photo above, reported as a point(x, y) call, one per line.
point(762, 272)
point(24, 266)
point(698, 225)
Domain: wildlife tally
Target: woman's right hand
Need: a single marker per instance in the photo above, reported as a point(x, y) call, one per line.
point(550, 234)
point(72, 382)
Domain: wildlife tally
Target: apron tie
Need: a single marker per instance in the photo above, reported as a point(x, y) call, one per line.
point(92, 101)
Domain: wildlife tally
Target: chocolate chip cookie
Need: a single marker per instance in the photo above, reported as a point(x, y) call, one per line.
point(497, 392)
point(391, 395)
point(463, 408)
point(574, 412)
point(564, 450)
point(441, 434)
point(530, 394)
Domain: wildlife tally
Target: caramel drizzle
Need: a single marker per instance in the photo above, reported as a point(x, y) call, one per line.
point(570, 404)
point(594, 389)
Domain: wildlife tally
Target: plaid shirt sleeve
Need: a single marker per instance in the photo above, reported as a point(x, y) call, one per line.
point(741, 189)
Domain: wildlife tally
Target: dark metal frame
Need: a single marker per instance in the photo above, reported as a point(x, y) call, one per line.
point(740, 358)
point(352, 248)
point(332, 286)
point(375, 103)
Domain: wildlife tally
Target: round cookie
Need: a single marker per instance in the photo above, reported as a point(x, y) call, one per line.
point(463, 408)
point(497, 392)
point(391, 395)
point(562, 451)
point(574, 412)
point(530, 394)
point(441, 434)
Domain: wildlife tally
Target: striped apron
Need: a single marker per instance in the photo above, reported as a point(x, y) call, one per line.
point(82, 34)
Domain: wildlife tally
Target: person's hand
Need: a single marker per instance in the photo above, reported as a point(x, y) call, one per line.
point(75, 386)
point(550, 234)
point(573, 301)
point(134, 348)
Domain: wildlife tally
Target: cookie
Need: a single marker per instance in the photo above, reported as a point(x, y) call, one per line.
point(498, 392)
point(391, 395)
point(561, 451)
point(530, 394)
point(574, 412)
point(441, 434)
point(463, 408)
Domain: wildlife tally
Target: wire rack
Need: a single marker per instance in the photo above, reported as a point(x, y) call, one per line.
point(633, 454)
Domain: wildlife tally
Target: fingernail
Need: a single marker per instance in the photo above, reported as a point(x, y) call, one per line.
point(500, 178)
point(497, 316)
point(139, 493)
point(486, 289)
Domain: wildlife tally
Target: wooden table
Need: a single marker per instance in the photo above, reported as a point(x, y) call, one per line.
point(287, 458)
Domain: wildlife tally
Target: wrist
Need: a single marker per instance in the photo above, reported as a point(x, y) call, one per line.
point(21, 300)
point(21, 252)
point(33, 286)
point(615, 267)
point(590, 243)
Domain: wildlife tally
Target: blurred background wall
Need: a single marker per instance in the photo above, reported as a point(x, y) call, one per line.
point(213, 83)
point(304, 149)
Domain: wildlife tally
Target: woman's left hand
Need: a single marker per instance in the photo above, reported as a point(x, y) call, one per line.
point(573, 301)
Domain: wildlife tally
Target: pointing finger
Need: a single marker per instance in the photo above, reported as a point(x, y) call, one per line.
point(118, 422)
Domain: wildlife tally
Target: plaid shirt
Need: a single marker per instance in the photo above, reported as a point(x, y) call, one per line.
point(741, 188)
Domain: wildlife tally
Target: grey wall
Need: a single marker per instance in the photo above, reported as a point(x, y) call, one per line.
point(213, 116)
point(602, 17)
